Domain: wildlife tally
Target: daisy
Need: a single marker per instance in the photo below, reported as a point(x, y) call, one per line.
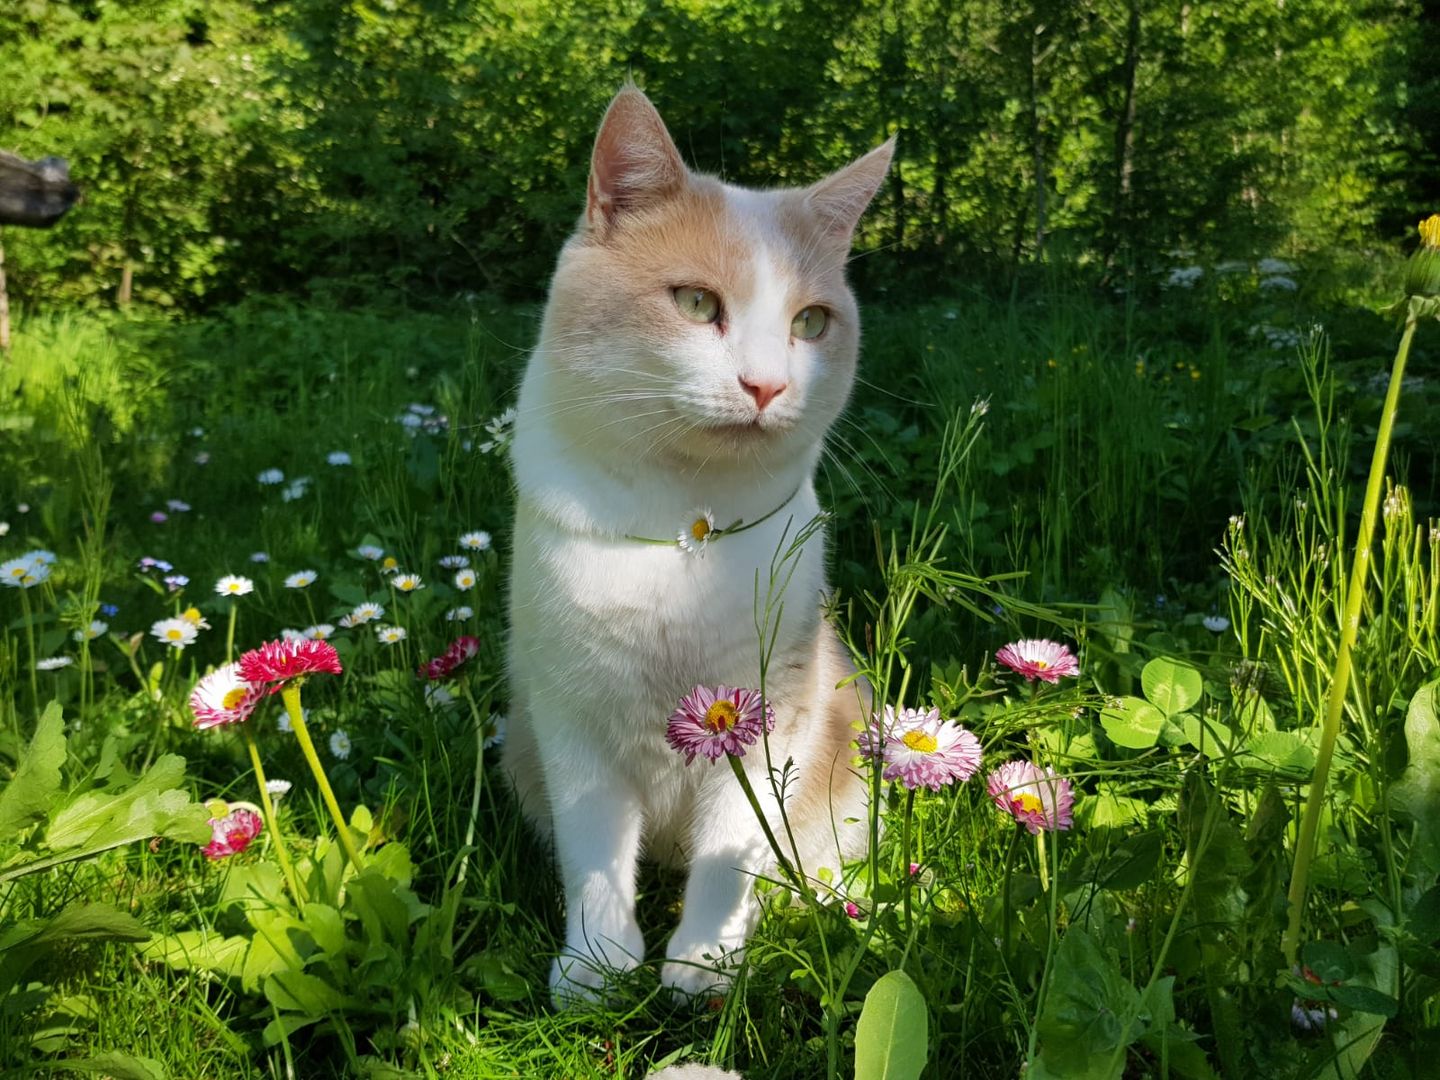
point(295, 489)
point(53, 663)
point(366, 612)
point(1035, 797)
point(194, 618)
point(494, 731)
point(232, 833)
point(454, 562)
point(319, 632)
point(337, 458)
point(177, 633)
point(176, 506)
point(408, 582)
point(437, 697)
point(278, 661)
point(389, 565)
point(390, 635)
point(719, 721)
point(1039, 658)
point(91, 632)
point(1216, 624)
point(202, 458)
point(278, 789)
point(465, 579)
point(292, 635)
point(260, 557)
point(234, 585)
point(696, 535)
point(919, 749)
point(370, 551)
point(300, 579)
point(476, 541)
point(459, 614)
point(40, 555)
point(459, 651)
point(23, 573)
point(501, 431)
point(340, 744)
point(223, 697)
point(271, 477)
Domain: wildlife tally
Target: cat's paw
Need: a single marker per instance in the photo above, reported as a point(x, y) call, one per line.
point(579, 975)
point(699, 970)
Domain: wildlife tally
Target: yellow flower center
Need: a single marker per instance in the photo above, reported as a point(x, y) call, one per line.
point(1030, 804)
point(18, 572)
point(1430, 231)
point(233, 697)
point(1041, 664)
point(174, 633)
point(390, 562)
point(722, 716)
point(700, 529)
point(191, 615)
point(921, 741)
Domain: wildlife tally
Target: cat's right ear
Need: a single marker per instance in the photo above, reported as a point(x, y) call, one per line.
point(635, 162)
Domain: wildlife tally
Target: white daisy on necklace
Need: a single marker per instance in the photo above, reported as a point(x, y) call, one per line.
point(696, 535)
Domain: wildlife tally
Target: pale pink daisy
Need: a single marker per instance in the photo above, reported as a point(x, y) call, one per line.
point(718, 721)
point(223, 697)
point(922, 750)
point(232, 833)
point(1039, 658)
point(1035, 797)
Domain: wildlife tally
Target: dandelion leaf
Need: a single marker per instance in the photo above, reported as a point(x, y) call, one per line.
point(24, 943)
point(31, 791)
point(155, 805)
point(116, 1066)
point(199, 950)
point(892, 1038)
point(1417, 794)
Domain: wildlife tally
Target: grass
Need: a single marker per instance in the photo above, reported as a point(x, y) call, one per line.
point(1122, 435)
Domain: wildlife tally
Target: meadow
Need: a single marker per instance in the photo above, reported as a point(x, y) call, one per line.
point(1165, 476)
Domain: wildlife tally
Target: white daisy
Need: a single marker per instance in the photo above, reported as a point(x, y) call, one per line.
point(437, 697)
point(459, 614)
point(295, 489)
point(300, 579)
point(282, 721)
point(234, 585)
point(476, 541)
point(291, 634)
point(337, 458)
point(319, 632)
point(260, 557)
point(696, 535)
point(367, 612)
point(91, 632)
point(271, 477)
point(340, 745)
point(177, 632)
point(1216, 624)
point(53, 663)
point(421, 410)
point(370, 551)
point(390, 635)
point(465, 579)
point(177, 506)
point(40, 555)
point(408, 582)
point(454, 562)
point(23, 573)
point(494, 731)
point(278, 789)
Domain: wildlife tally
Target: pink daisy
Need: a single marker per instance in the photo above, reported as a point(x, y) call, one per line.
point(459, 651)
point(718, 722)
point(232, 833)
point(1035, 797)
point(1039, 658)
point(280, 661)
point(223, 697)
point(919, 749)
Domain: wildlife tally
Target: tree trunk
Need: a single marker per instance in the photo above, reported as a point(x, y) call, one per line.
point(1120, 219)
point(4, 305)
point(127, 283)
point(1037, 140)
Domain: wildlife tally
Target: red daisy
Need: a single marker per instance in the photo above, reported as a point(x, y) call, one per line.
point(281, 661)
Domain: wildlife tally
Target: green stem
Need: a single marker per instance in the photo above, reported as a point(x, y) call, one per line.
point(905, 856)
point(230, 633)
point(1005, 888)
point(784, 863)
point(1349, 631)
point(271, 821)
point(30, 640)
point(479, 777)
point(291, 696)
point(1040, 858)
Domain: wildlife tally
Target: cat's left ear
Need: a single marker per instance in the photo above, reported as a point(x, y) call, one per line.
point(842, 197)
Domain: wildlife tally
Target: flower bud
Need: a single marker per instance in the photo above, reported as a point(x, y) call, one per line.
point(1422, 274)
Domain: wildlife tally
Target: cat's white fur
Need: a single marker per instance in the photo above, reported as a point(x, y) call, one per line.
point(630, 417)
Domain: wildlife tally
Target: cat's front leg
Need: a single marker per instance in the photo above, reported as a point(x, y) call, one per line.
point(596, 818)
point(728, 850)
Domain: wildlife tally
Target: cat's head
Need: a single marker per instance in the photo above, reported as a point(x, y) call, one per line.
point(709, 322)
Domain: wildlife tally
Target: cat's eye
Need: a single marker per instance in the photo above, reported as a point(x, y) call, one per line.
point(809, 324)
point(697, 304)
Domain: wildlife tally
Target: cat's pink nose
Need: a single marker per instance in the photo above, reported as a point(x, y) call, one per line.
point(762, 392)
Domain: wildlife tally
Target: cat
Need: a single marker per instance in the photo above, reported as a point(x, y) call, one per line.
point(698, 342)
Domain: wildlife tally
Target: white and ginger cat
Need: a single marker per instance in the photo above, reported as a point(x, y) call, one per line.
point(699, 341)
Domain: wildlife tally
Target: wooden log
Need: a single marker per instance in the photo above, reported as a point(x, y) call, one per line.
point(34, 194)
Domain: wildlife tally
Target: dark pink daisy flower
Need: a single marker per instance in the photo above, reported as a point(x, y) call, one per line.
point(231, 834)
point(1039, 658)
point(456, 654)
point(281, 661)
point(719, 721)
point(223, 697)
point(1035, 797)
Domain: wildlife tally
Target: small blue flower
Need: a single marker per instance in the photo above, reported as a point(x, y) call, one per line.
point(109, 610)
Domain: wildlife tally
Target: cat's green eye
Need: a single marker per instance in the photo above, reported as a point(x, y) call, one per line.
point(696, 304)
point(810, 323)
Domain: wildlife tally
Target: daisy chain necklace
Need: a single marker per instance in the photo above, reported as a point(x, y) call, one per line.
point(701, 530)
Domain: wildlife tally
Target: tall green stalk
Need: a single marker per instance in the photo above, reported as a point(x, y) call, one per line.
point(272, 822)
point(1349, 632)
point(291, 696)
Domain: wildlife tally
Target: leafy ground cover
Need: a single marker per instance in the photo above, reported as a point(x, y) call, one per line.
point(1167, 480)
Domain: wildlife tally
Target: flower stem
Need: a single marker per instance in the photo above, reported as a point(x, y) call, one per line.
point(1005, 888)
point(784, 863)
point(905, 856)
point(271, 821)
point(1040, 858)
point(291, 696)
point(1349, 631)
point(30, 640)
point(230, 632)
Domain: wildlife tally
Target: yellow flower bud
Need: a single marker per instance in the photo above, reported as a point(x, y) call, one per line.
point(1422, 273)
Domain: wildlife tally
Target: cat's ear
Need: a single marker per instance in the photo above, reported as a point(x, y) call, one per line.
point(842, 197)
point(634, 163)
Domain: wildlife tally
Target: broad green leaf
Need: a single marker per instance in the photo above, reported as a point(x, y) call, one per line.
point(1329, 960)
point(1206, 734)
point(199, 950)
point(22, 944)
point(1170, 685)
point(326, 927)
point(1086, 1012)
point(115, 1065)
point(1358, 1034)
point(1284, 751)
point(892, 1038)
point(29, 795)
point(1417, 793)
point(297, 991)
point(155, 805)
point(1134, 723)
point(1106, 807)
